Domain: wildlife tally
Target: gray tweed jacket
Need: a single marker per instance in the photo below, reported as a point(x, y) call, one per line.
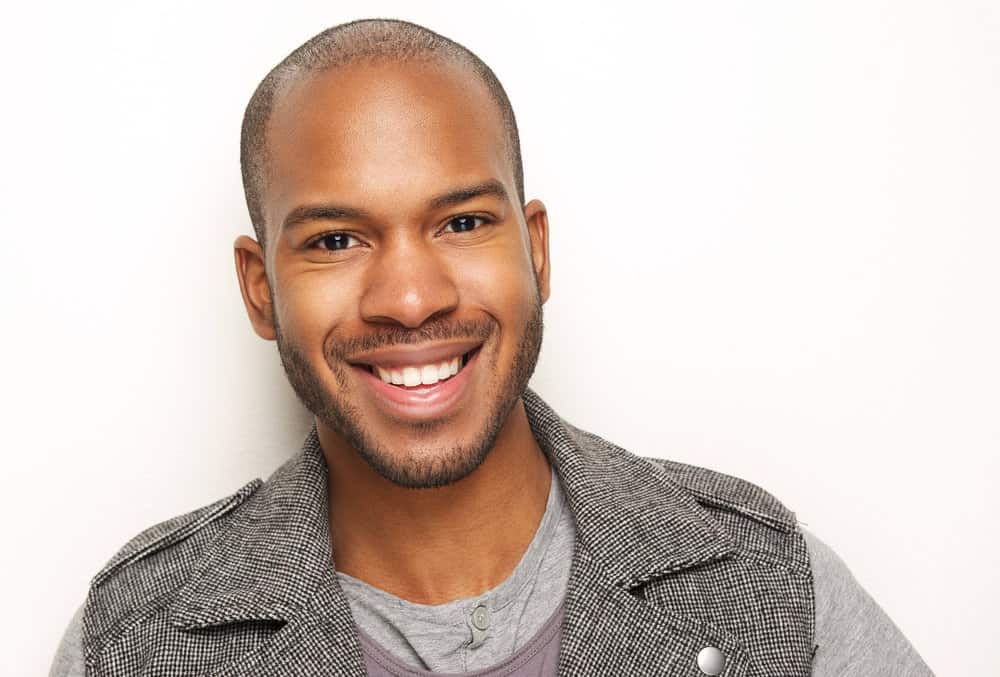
point(670, 559)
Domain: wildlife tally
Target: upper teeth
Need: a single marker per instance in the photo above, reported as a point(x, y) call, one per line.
point(427, 374)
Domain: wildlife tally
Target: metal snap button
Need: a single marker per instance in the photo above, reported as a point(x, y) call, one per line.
point(481, 617)
point(711, 661)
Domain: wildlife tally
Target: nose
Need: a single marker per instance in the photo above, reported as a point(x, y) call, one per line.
point(408, 284)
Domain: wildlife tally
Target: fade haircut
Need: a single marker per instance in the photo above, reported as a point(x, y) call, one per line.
point(370, 39)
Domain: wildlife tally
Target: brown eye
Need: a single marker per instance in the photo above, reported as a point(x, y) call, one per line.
point(335, 241)
point(463, 224)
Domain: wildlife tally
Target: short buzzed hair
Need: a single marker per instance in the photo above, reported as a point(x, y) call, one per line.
point(371, 39)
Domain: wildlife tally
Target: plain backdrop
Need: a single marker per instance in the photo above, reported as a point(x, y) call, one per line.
point(774, 240)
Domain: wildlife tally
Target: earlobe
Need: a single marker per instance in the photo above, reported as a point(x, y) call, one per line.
point(254, 286)
point(537, 220)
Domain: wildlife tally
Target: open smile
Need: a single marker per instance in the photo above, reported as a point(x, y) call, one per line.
point(419, 384)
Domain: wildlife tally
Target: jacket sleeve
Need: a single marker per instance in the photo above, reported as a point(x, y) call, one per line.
point(854, 636)
point(68, 661)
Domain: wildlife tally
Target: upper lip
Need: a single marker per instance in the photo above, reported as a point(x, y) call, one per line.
point(410, 356)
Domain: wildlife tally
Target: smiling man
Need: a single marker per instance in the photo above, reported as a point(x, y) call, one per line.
point(440, 516)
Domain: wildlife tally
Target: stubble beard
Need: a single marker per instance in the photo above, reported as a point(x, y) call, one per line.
point(418, 468)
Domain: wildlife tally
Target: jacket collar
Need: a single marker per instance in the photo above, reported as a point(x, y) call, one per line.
point(273, 561)
point(634, 520)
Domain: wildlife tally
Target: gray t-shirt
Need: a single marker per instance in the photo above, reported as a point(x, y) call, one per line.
point(539, 657)
point(854, 635)
point(519, 616)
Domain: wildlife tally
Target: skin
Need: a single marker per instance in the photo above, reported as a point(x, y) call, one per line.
point(385, 139)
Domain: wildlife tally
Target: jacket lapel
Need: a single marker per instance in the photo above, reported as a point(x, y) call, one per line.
point(609, 631)
point(274, 564)
point(634, 525)
point(319, 642)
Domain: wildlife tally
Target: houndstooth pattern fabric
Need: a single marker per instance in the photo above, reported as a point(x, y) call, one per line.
point(669, 559)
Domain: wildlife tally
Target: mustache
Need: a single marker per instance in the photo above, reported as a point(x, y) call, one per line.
point(439, 330)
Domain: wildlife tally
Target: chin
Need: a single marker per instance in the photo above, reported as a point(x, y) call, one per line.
point(426, 469)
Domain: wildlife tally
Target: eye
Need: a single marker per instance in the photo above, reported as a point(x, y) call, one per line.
point(464, 223)
point(333, 241)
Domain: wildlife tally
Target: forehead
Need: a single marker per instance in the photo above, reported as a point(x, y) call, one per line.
point(382, 132)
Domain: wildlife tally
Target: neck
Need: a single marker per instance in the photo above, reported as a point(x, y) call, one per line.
point(432, 546)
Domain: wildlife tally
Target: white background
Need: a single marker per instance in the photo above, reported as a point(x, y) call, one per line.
point(774, 250)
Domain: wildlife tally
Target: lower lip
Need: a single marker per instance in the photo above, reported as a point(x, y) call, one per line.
point(426, 401)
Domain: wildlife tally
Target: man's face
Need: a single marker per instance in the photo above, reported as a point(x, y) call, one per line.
point(399, 252)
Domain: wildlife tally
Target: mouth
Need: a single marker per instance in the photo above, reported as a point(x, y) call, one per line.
point(422, 386)
point(418, 375)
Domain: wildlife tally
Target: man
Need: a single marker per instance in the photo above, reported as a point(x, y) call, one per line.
point(440, 517)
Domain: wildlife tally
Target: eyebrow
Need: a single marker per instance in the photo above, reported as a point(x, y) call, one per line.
point(333, 212)
point(490, 188)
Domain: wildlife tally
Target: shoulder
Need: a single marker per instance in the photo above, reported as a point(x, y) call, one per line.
point(141, 576)
point(174, 531)
point(715, 491)
point(760, 524)
point(720, 491)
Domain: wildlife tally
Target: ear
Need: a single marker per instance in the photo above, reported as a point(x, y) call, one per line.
point(256, 290)
point(537, 220)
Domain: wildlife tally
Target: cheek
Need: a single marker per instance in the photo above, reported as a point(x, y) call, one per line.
point(314, 303)
point(501, 285)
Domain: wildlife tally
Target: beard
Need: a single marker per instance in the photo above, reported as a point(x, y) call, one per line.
point(416, 468)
